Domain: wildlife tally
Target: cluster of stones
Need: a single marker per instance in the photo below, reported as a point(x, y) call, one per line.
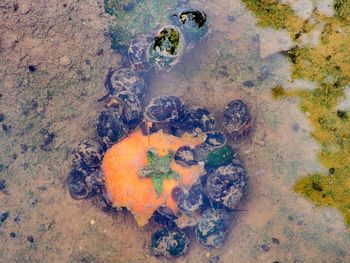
point(207, 207)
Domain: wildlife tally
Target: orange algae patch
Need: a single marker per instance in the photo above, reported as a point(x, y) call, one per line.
point(123, 162)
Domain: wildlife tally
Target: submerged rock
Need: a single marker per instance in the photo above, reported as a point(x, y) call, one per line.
point(2, 181)
point(166, 48)
point(77, 184)
point(192, 22)
point(220, 157)
point(215, 139)
point(199, 119)
point(110, 126)
point(169, 243)
point(126, 79)
point(88, 154)
point(84, 183)
point(128, 105)
point(225, 185)
point(185, 156)
point(138, 53)
point(165, 109)
point(212, 229)
point(237, 120)
point(165, 217)
point(191, 200)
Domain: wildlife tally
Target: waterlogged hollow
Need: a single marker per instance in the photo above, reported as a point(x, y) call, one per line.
point(49, 95)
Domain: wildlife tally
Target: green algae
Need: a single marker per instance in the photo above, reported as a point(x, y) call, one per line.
point(342, 9)
point(328, 65)
point(167, 41)
point(158, 169)
point(278, 92)
point(220, 157)
point(135, 17)
point(271, 13)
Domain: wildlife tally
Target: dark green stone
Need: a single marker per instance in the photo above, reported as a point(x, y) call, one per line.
point(220, 157)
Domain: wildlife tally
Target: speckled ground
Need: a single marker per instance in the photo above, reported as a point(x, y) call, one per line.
point(50, 106)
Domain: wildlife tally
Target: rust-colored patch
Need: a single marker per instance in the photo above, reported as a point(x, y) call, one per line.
point(123, 162)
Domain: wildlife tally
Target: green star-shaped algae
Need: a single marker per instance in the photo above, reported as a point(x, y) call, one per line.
point(158, 169)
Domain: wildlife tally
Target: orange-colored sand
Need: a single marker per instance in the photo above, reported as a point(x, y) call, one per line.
point(122, 163)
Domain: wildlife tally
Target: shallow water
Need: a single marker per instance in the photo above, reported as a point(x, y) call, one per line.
point(64, 42)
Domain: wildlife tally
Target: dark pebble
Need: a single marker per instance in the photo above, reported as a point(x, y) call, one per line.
point(4, 217)
point(275, 241)
point(99, 52)
point(214, 259)
point(14, 156)
point(64, 5)
point(264, 73)
point(316, 187)
point(2, 117)
point(17, 219)
point(48, 138)
point(6, 128)
point(255, 38)
point(42, 188)
point(15, 7)
point(128, 7)
point(30, 239)
point(1, 167)
point(342, 114)
point(24, 148)
point(2, 181)
point(34, 104)
point(248, 84)
point(33, 201)
point(296, 127)
point(231, 18)
point(32, 68)
point(331, 170)
point(12, 234)
point(329, 229)
point(265, 248)
point(290, 218)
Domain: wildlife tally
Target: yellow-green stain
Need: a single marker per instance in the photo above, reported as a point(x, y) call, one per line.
point(278, 92)
point(342, 9)
point(328, 65)
point(270, 13)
